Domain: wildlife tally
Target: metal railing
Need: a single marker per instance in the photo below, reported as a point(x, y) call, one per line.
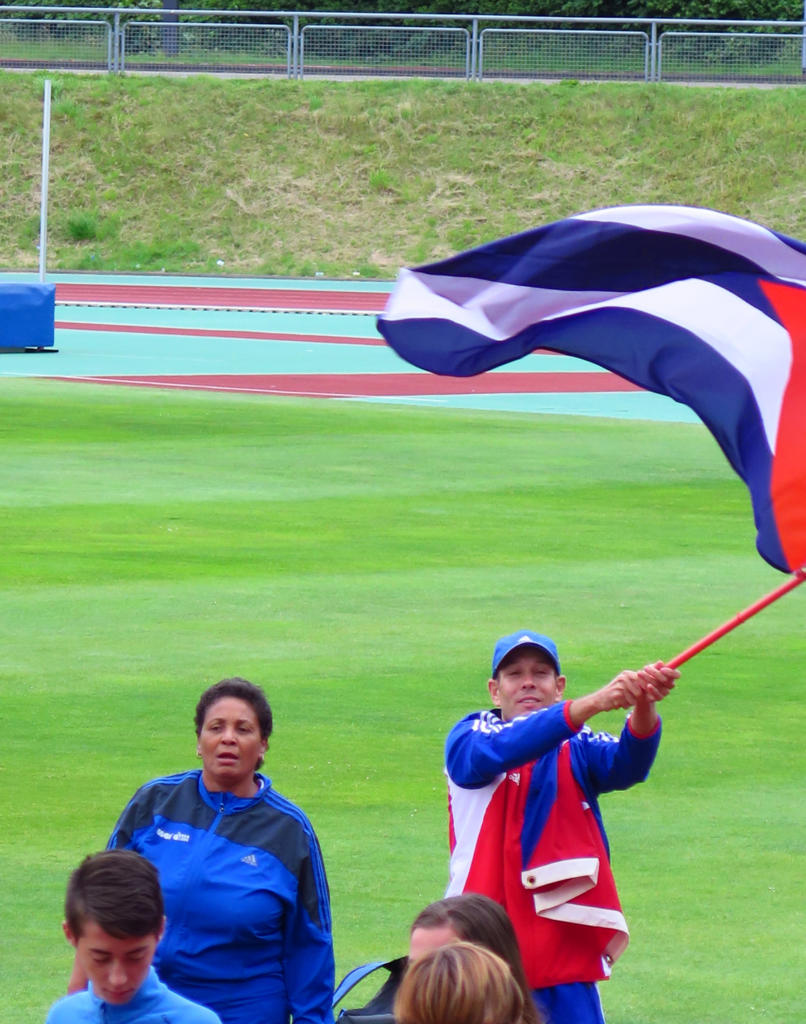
point(564, 53)
point(390, 51)
point(206, 47)
point(731, 56)
point(293, 44)
point(66, 43)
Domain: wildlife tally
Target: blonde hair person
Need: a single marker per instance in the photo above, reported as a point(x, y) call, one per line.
point(460, 983)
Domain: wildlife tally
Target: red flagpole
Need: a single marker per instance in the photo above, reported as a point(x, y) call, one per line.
point(798, 577)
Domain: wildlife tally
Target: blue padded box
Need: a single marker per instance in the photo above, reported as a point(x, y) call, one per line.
point(27, 315)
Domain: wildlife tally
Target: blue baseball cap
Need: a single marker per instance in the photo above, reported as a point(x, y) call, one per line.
point(525, 638)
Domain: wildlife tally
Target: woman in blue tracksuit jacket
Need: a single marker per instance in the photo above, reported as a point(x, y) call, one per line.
point(248, 912)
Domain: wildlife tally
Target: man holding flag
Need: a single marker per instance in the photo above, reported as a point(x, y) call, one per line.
point(525, 826)
point(696, 304)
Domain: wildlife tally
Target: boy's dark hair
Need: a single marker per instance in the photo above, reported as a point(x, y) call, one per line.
point(243, 690)
point(117, 889)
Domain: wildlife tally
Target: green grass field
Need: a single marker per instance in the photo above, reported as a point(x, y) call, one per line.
point(359, 562)
point(292, 178)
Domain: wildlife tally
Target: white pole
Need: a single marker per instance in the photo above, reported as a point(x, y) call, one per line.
point(803, 44)
point(43, 206)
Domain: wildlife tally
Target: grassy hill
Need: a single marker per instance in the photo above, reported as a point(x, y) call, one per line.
point(290, 178)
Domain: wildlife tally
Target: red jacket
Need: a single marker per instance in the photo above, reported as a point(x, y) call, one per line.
point(528, 833)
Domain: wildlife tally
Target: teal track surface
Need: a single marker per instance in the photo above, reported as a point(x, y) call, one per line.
point(314, 338)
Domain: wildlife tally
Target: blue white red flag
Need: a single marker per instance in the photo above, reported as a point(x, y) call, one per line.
point(698, 305)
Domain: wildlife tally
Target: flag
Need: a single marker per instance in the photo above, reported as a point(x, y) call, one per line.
point(701, 306)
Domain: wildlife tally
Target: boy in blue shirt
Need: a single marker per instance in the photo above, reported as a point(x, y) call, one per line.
point(114, 919)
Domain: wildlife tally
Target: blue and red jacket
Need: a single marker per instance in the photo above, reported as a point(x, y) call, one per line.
point(526, 830)
point(246, 899)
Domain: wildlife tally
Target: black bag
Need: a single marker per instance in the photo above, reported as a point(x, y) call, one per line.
point(379, 1009)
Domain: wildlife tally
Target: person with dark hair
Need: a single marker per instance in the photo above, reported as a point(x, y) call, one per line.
point(243, 690)
point(460, 983)
point(114, 919)
point(247, 901)
point(472, 917)
point(524, 780)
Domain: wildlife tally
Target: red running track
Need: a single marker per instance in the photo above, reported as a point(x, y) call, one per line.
point(356, 385)
point(157, 295)
point(359, 385)
point(205, 332)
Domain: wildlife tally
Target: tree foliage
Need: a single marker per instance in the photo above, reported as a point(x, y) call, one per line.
point(734, 10)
